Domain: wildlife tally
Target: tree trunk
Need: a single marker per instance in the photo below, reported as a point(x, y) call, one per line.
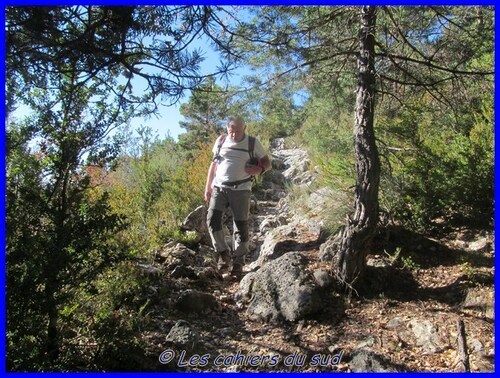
point(52, 348)
point(356, 236)
point(55, 262)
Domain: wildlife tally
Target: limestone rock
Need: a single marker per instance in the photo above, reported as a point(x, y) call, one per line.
point(363, 361)
point(196, 221)
point(276, 243)
point(481, 299)
point(323, 278)
point(281, 290)
point(426, 335)
point(182, 271)
point(182, 336)
point(480, 245)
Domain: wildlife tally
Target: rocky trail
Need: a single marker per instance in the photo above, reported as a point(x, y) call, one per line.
point(285, 316)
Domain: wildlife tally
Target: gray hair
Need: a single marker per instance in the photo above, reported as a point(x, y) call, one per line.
point(237, 120)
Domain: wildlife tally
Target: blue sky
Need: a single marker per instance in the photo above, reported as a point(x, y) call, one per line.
point(167, 122)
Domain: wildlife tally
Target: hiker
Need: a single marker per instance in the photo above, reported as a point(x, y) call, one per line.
point(238, 158)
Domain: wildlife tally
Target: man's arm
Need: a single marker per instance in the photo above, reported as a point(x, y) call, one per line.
point(210, 179)
point(266, 163)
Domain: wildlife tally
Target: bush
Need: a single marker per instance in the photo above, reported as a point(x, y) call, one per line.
point(102, 327)
point(156, 190)
point(443, 166)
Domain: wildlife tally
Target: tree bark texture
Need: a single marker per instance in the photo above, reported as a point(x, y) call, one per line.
point(356, 236)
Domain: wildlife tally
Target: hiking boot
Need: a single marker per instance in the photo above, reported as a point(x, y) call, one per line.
point(225, 261)
point(237, 271)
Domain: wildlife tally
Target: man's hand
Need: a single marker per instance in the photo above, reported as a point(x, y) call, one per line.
point(253, 170)
point(208, 194)
point(210, 179)
point(262, 164)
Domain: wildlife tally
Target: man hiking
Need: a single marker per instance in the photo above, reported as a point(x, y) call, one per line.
point(237, 159)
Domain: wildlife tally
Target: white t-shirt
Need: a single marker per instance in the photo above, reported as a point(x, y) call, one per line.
point(234, 157)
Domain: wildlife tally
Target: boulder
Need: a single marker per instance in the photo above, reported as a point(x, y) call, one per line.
point(480, 299)
point(149, 270)
point(417, 332)
point(196, 221)
point(282, 289)
point(426, 336)
point(480, 245)
point(364, 361)
point(192, 301)
point(296, 163)
point(323, 278)
point(182, 336)
point(274, 179)
point(276, 243)
point(179, 254)
point(182, 271)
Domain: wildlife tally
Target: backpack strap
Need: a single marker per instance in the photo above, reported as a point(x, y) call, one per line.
point(218, 158)
point(251, 145)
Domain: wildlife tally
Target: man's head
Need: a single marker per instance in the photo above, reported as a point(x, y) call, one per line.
point(236, 128)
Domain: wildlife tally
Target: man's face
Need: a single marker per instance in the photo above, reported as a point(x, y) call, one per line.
point(236, 131)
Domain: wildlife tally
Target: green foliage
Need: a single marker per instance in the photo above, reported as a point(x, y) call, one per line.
point(276, 113)
point(105, 320)
point(327, 134)
point(405, 262)
point(185, 191)
point(136, 185)
point(434, 69)
point(46, 258)
point(156, 189)
point(49, 211)
point(445, 168)
point(122, 48)
point(206, 113)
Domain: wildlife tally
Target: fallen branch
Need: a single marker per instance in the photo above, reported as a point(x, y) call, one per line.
point(463, 356)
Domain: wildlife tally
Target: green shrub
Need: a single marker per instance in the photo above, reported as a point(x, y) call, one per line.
point(442, 166)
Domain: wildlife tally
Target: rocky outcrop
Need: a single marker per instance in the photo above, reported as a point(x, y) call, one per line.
point(277, 242)
point(196, 222)
point(179, 258)
point(426, 335)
